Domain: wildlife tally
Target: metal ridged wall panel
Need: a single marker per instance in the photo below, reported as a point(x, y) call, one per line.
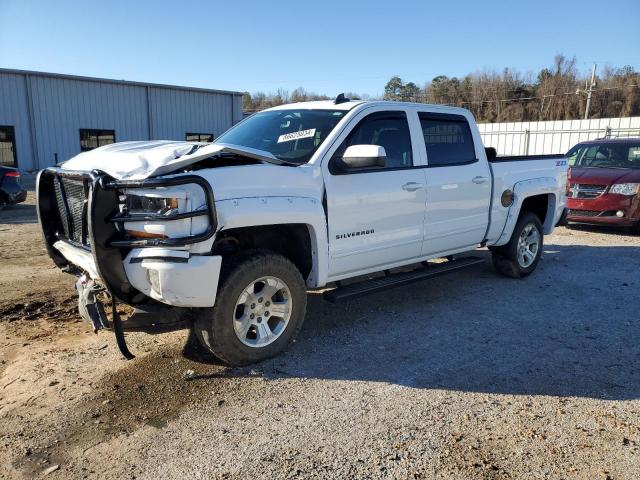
point(176, 112)
point(14, 112)
point(61, 107)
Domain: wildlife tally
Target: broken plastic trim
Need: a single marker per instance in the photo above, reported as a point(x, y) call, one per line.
point(91, 310)
point(210, 211)
point(89, 306)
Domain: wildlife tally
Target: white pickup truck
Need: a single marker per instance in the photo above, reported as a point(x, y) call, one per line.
point(227, 237)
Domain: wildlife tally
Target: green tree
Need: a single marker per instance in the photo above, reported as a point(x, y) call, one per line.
point(393, 89)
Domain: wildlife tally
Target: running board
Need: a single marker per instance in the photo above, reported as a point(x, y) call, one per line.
point(398, 279)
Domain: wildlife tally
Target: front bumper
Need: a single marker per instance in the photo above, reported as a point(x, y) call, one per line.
point(603, 210)
point(174, 277)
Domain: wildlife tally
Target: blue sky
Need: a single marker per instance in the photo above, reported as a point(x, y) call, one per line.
point(324, 46)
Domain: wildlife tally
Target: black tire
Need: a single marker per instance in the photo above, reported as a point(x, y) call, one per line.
point(505, 258)
point(635, 229)
point(214, 326)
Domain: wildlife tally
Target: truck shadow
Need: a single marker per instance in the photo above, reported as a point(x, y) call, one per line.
point(18, 214)
point(570, 329)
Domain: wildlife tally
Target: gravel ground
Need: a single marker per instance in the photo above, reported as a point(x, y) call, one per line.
point(468, 376)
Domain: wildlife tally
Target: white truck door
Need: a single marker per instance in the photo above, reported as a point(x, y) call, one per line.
point(375, 216)
point(458, 184)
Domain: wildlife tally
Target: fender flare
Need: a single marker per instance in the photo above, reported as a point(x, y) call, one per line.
point(527, 189)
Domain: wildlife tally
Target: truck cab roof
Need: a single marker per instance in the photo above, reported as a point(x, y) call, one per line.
point(352, 104)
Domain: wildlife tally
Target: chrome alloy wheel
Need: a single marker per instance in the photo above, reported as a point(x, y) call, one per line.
point(262, 312)
point(528, 245)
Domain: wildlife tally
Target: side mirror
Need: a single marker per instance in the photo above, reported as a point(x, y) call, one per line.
point(491, 152)
point(363, 156)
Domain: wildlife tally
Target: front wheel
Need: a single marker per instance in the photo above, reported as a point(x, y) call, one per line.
point(260, 308)
point(521, 255)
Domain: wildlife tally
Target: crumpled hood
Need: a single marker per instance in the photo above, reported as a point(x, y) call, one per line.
point(139, 160)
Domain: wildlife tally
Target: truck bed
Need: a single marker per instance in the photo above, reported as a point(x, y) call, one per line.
point(515, 171)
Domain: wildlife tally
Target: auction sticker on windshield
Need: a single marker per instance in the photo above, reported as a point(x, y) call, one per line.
point(287, 137)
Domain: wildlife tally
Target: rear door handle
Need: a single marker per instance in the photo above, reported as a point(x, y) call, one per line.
point(412, 186)
point(480, 179)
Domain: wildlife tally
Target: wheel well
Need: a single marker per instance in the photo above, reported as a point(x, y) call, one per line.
point(537, 204)
point(292, 241)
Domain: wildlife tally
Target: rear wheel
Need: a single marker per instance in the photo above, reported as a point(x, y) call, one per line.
point(260, 308)
point(521, 255)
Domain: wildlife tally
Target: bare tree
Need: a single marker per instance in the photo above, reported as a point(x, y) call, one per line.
point(554, 93)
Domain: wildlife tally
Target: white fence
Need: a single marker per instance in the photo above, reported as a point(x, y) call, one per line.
point(542, 138)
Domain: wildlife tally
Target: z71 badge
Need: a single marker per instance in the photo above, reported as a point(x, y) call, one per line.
point(354, 234)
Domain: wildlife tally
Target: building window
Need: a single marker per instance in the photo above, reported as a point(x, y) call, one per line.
point(91, 138)
point(8, 156)
point(199, 137)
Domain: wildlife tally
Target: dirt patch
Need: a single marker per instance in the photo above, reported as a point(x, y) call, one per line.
point(53, 310)
point(149, 392)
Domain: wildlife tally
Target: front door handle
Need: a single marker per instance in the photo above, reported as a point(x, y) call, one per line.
point(412, 186)
point(480, 179)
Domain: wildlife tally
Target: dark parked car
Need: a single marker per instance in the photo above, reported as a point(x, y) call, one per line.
point(604, 182)
point(11, 192)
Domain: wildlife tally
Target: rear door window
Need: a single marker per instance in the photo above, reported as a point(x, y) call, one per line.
point(448, 139)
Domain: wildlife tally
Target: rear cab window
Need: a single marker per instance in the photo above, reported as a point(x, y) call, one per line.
point(447, 138)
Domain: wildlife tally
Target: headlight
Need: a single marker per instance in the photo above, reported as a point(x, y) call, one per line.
point(625, 188)
point(151, 207)
point(146, 204)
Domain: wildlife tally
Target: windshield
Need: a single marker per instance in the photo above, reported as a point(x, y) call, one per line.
point(605, 155)
point(290, 135)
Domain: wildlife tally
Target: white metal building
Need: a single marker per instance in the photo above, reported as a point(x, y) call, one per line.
point(46, 118)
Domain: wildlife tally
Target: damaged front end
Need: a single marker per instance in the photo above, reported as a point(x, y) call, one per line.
point(92, 229)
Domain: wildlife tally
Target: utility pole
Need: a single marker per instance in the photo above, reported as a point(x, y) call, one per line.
point(589, 90)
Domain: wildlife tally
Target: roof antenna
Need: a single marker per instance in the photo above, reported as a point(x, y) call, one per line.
point(340, 99)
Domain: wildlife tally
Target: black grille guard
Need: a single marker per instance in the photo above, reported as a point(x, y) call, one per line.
point(105, 241)
point(98, 228)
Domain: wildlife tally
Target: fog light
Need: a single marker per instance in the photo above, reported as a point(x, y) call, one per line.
point(619, 214)
point(154, 279)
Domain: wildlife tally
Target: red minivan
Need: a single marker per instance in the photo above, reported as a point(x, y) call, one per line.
point(604, 182)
